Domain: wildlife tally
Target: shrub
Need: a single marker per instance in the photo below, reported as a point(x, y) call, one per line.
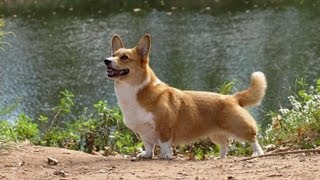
point(99, 129)
point(91, 131)
point(25, 128)
point(298, 125)
point(105, 129)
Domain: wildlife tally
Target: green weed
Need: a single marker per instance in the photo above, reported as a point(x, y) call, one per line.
point(100, 129)
point(7, 132)
point(91, 131)
point(26, 128)
point(3, 34)
point(298, 125)
point(226, 88)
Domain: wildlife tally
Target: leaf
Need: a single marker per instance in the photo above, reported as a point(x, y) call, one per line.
point(318, 85)
point(43, 119)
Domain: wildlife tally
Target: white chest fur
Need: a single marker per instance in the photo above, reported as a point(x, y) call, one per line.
point(135, 116)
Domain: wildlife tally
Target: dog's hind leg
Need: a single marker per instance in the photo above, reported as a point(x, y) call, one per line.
point(243, 127)
point(223, 142)
point(257, 150)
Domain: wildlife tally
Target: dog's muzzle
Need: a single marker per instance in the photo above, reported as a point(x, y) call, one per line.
point(113, 72)
point(108, 61)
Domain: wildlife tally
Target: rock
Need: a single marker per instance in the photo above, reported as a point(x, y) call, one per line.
point(21, 163)
point(270, 147)
point(231, 178)
point(102, 171)
point(52, 161)
point(60, 173)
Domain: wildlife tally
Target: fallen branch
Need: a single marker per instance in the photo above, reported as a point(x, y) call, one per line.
point(283, 153)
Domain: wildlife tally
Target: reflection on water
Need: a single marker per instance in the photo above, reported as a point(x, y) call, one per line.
point(190, 50)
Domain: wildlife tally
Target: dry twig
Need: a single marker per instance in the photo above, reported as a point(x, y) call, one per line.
point(283, 153)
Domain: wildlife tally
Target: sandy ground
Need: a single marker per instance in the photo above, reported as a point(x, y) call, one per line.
point(31, 162)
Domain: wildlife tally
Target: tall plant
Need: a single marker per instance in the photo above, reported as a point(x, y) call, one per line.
point(3, 33)
point(298, 125)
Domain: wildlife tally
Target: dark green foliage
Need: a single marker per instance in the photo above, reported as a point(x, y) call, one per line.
point(91, 131)
point(97, 130)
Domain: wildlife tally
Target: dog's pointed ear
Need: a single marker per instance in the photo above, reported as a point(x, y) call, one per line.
point(143, 46)
point(116, 43)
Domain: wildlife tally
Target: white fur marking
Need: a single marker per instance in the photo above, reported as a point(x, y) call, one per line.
point(257, 150)
point(260, 76)
point(258, 73)
point(110, 58)
point(166, 151)
point(135, 116)
point(223, 150)
point(148, 150)
point(157, 82)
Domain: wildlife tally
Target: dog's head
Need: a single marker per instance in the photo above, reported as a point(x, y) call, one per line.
point(128, 65)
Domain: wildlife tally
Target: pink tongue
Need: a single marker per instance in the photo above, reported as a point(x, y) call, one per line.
point(114, 72)
point(117, 72)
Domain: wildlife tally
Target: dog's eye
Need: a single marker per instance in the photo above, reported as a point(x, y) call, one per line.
point(124, 57)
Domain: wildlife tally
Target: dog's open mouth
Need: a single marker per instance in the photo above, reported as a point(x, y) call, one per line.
point(112, 73)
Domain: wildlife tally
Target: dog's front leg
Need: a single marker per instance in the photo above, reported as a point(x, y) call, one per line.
point(148, 150)
point(165, 150)
point(165, 137)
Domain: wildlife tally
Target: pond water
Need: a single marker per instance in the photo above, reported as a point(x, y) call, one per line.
point(191, 49)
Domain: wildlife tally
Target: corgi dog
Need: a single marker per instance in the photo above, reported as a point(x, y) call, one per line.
point(166, 116)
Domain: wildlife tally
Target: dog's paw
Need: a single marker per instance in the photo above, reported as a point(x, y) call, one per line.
point(257, 153)
point(165, 150)
point(166, 156)
point(144, 155)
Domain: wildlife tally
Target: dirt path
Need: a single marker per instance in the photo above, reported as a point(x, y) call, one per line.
point(30, 162)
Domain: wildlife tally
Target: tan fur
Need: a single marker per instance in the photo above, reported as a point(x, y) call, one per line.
point(184, 116)
point(254, 94)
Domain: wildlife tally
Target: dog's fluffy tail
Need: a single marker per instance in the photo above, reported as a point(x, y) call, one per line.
point(254, 94)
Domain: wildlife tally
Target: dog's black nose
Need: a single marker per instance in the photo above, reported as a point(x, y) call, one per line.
point(107, 61)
